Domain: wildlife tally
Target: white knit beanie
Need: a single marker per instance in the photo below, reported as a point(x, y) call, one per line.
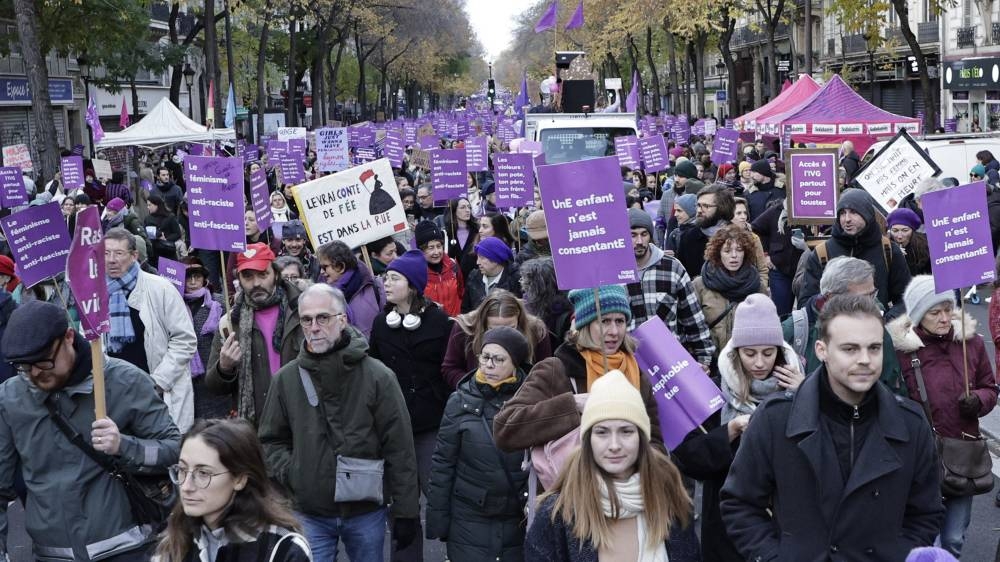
point(612, 397)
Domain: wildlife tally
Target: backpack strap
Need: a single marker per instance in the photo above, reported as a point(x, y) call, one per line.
point(887, 252)
point(800, 331)
point(820, 250)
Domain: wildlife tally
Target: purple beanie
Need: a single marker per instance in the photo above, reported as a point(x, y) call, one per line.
point(495, 250)
point(413, 266)
point(905, 217)
point(116, 204)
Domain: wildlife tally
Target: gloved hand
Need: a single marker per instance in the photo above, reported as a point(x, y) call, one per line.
point(969, 406)
point(404, 530)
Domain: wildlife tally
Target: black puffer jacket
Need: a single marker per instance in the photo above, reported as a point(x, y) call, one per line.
point(470, 503)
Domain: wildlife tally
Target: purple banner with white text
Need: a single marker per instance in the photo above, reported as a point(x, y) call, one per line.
point(39, 242)
point(215, 199)
point(958, 236)
point(85, 274)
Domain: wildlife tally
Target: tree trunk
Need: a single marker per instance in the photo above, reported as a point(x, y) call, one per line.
point(652, 69)
point(633, 58)
point(700, 44)
point(772, 66)
point(334, 71)
point(727, 57)
point(177, 70)
point(291, 111)
point(362, 92)
point(212, 57)
point(135, 101)
point(265, 31)
point(38, 78)
point(322, 51)
point(929, 90)
point(675, 88)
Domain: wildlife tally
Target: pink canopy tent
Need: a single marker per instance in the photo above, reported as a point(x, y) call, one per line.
point(789, 98)
point(836, 113)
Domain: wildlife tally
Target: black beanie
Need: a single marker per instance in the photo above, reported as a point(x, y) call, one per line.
point(425, 232)
point(762, 167)
point(511, 340)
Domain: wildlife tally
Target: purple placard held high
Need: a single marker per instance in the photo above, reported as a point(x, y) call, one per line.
point(428, 142)
point(85, 274)
point(251, 153)
point(39, 242)
point(12, 190)
point(448, 174)
point(587, 223)
point(71, 168)
point(685, 396)
point(215, 198)
point(291, 169)
point(260, 199)
point(395, 147)
point(726, 146)
point(627, 151)
point(173, 271)
point(297, 146)
point(276, 149)
point(680, 131)
point(515, 179)
point(654, 153)
point(409, 132)
point(812, 183)
point(476, 154)
point(958, 236)
point(506, 132)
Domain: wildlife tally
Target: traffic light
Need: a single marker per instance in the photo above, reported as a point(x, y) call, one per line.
point(491, 90)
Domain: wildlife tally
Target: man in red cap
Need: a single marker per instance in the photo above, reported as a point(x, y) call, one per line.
point(261, 334)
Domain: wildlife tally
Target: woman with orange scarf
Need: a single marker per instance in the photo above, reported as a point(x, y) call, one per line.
point(549, 402)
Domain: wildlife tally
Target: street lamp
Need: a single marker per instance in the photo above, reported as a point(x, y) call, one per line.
point(189, 80)
point(721, 67)
point(84, 65)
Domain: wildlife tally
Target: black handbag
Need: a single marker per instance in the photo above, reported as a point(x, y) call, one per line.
point(966, 465)
point(150, 497)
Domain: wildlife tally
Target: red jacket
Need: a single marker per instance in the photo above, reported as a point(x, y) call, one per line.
point(941, 365)
point(446, 288)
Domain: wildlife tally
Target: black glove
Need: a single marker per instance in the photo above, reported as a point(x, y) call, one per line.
point(969, 406)
point(404, 530)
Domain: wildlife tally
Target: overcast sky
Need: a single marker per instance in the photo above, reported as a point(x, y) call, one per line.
point(493, 22)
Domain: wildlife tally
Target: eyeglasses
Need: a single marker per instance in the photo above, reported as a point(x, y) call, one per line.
point(116, 254)
point(43, 365)
point(703, 206)
point(495, 360)
point(319, 319)
point(202, 478)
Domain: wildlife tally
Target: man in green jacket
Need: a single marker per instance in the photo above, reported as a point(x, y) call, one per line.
point(334, 423)
point(842, 275)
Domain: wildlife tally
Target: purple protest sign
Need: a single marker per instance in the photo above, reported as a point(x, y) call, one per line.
point(85, 274)
point(812, 185)
point(260, 199)
point(515, 179)
point(461, 129)
point(627, 151)
point(297, 146)
point(215, 199)
point(587, 222)
point(726, 146)
point(276, 149)
point(146, 185)
point(680, 131)
point(39, 242)
point(174, 271)
point(71, 168)
point(291, 169)
point(251, 153)
point(428, 142)
point(655, 157)
point(951, 125)
point(395, 147)
point(506, 132)
point(476, 159)
point(448, 174)
point(958, 236)
point(12, 190)
point(685, 396)
point(409, 132)
point(332, 152)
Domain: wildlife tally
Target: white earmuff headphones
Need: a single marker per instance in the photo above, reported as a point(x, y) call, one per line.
point(409, 322)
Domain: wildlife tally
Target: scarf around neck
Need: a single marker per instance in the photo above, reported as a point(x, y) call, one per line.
point(122, 332)
point(244, 312)
point(631, 505)
point(734, 286)
point(621, 360)
point(209, 327)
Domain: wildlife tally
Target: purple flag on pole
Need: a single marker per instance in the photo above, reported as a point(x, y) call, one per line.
point(576, 22)
point(548, 19)
point(685, 396)
point(522, 98)
point(632, 101)
point(587, 223)
point(958, 236)
point(215, 196)
point(85, 274)
point(39, 242)
point(94, 120)
point(123, 120)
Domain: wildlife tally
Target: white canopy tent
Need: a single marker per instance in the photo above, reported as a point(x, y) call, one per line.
point(165, 125)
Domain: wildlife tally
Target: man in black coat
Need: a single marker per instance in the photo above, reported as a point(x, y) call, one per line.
point(840, 469)
point(765, 191)
point(850, 161)
point(715, 210)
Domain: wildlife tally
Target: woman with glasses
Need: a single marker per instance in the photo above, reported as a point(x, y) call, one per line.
point(228, 510)
point(475, 496)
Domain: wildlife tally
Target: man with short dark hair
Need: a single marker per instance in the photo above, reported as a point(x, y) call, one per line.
point(715, 209)
point(295, 243)
point(170, 191)
point(840, 469)
point(764, 191)
point(686, 177)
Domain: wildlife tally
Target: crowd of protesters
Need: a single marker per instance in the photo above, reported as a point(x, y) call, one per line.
point(311, 411)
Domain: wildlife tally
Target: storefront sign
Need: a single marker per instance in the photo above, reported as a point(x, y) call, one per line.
point(17, 91)
point(972, 74)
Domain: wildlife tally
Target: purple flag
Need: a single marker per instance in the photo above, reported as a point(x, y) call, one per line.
point(515, 181)
point(576, 22)
point(548, 20)
point(173, 271)
point(260, 199)
point(39, 242)
point(587, 223)
point(215, 196)
point(85, 274)
point(685, 396)
point(958, 236)
point(448, 174)
point(522, 99)
point(94, 120)
point(632, 101)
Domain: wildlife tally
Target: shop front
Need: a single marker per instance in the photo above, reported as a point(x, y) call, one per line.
point(972, 94)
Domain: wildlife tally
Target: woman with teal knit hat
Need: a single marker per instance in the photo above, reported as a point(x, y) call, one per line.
point(549, 403)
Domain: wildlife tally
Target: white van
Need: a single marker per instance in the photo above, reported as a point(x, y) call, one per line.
point(954, 154)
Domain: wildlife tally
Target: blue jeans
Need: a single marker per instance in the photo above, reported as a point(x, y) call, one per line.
point(957, 514)
point(781, 292)
point(363, 535)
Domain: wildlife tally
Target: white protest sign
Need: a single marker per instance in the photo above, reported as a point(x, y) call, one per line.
point(895, 171)
point(286, 133)
point(357, 206)
point(17, 155)
point(332, 153)
point(102, 169)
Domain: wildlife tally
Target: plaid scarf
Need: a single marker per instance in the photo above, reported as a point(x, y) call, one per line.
point(121, 321)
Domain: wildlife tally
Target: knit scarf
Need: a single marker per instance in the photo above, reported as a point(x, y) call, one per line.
point(631, 505)
point(620, 360)
point(244, 312)
point(734, 286)
point(481, 378)
point(209, 327)
point(735, 406)
point(121, 332)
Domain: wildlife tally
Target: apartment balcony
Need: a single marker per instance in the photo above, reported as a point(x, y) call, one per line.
point(855, 43)
point(930, 32)
point(966, 36)
point(745, 36)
